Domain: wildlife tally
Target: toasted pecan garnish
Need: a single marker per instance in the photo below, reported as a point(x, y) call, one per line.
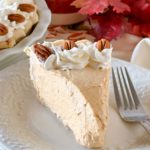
point(42, 52)
point(26, 7)
point(76, 36)
point(16, 17)
point(49, 36)
point(3, 29)
point(68, 44)
point(102, 44)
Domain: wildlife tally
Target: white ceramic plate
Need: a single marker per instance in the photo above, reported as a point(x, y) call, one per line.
point(37, 33)
point(27, 125)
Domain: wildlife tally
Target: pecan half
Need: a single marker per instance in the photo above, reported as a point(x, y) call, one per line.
point(3, 30)
point(42, 52)
point(49, 36)
point(68, 44)
point(16, 17)
point(26, 7)
point(102, 44)
point(76, 36)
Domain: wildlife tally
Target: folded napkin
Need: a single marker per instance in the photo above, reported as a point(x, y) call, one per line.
point(141, 53)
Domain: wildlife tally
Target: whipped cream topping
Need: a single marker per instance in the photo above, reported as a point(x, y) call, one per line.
point(4, 10)
point(8, 35)
point(5, 3)
point(4, 18)
point(3, 6)
point(84, 54)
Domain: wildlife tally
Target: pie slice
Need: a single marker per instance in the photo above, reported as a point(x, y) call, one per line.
point(73, 83)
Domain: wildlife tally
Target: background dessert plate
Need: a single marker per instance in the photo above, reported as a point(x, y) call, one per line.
point(27, 125)
point(8, 55)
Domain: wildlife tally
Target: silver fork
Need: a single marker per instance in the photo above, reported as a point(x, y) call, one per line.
point(128, 103)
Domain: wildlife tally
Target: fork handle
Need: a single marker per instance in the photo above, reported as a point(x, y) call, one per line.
point(146, 124)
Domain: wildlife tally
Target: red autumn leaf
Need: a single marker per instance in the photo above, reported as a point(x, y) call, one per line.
point(106, 25)
point(141, 10)
point(91, 7)
point(78, 3)
point(137, 27)
point(117, 16)
point(145, 29)
point(118, 6)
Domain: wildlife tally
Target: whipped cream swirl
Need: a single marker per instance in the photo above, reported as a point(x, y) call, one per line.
point(6, 3)
point(85, 53)
point(4, 18)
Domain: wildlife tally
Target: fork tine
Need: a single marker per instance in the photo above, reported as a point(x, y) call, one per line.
point(135, 97)
point(127, 89)
point(122, 90)
point(122, 82)
point(116, 89)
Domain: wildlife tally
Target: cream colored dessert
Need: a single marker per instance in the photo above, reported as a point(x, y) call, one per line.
point(18, 18)
point(72, 81)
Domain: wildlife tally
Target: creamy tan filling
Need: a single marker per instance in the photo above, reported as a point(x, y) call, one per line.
point(78, 97)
